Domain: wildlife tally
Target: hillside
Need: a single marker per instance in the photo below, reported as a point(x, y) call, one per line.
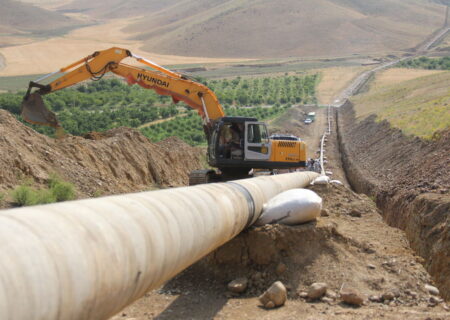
point(417, 106)
point(266, 28)
point(21, 18)
point(116, 8)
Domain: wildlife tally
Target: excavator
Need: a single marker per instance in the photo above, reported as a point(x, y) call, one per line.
point(236, 145)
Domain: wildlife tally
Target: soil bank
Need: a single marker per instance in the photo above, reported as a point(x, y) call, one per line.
point(409, 179)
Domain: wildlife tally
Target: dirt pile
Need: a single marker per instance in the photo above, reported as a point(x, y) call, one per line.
point(349, 246)
point(410, 179)
point(117, 161)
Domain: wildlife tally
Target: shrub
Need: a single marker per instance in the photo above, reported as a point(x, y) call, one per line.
point(44, 196)
point(61, 190)
point(24, 195)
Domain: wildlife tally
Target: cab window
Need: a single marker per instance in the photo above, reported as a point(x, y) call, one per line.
point(257, 133)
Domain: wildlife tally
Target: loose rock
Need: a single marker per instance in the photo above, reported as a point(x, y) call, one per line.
point(375, 298)
point(435, 300)
point(303, 294)
point(238, 285)
point(355, 213)
point(351, 296)
point(388, 296)
point(326, 300)
point(432, 290)
point(331, 294)
point(275, 296)
point(281, 268)
point(317, 290)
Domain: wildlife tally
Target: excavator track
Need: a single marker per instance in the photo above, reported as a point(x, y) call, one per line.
point(202, 176)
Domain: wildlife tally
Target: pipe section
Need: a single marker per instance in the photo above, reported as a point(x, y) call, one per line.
point(89, 259)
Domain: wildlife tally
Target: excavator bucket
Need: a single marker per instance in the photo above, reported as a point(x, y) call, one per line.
point(34, 111)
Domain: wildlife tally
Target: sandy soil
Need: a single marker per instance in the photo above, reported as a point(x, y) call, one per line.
point(49, 55)
point(334, 80)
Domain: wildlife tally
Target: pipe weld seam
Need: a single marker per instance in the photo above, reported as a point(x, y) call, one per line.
point(250, 201)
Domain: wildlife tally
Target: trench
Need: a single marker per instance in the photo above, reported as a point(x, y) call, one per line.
point(422, 214)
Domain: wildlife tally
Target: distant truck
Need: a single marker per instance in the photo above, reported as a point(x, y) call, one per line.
point(311, 116)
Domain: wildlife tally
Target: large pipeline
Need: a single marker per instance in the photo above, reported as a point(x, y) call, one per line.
point(89, 259)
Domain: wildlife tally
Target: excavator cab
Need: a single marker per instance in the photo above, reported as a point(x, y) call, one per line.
point(239, 142)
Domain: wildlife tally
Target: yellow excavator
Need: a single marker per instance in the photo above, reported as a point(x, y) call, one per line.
point(236, 145)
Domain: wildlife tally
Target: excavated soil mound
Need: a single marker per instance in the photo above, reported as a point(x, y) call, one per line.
point(117, 161)
point(410, 179)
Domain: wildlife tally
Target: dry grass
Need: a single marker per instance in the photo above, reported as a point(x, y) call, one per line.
point(418, 107)
point(334, 80)
point(396, 75)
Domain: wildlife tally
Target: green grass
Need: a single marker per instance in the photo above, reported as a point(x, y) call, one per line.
point(62, 190)
point(58, 190)
point(419, 107)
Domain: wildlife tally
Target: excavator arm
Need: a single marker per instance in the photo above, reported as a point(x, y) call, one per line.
point(96, 65)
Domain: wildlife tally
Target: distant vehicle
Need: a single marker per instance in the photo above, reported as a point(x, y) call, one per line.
point(308, 121)
point(289, 137)
point(312, 116)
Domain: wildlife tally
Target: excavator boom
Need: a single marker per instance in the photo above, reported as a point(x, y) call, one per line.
point(96, 65)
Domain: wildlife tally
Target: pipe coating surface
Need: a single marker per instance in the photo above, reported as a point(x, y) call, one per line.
point(89, 259)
